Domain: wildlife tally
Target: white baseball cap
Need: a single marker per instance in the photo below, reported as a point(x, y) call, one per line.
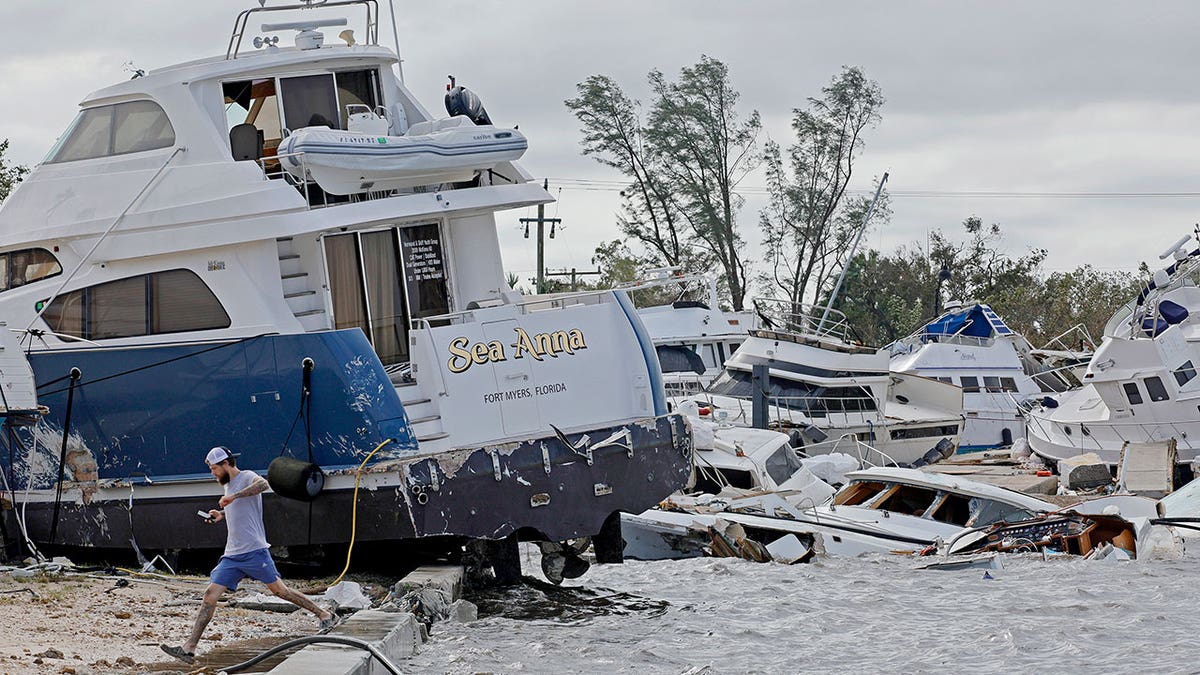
point(219, 454)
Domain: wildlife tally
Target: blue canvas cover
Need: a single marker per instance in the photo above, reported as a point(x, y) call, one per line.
point(976, 321)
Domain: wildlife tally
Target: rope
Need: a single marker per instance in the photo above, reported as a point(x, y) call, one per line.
point(354, 509)
point(74, 374)
point(152, 365)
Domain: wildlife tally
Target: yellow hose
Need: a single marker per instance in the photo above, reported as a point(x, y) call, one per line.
point(354, 509)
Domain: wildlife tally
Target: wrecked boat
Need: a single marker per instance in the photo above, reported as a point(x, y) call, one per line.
point(879, 510)
point(822, 385)
point(1141, 385)
point(180, 289)
point(732, 464)
point(971, 346)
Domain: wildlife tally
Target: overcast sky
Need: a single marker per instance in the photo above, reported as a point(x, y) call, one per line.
point(1013, 97)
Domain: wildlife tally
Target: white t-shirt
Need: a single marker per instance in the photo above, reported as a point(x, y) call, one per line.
point(244, 517)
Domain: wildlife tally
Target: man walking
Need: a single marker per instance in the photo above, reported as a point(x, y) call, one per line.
point(247, 553)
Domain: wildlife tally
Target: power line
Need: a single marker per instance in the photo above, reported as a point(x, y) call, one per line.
point(601, 185)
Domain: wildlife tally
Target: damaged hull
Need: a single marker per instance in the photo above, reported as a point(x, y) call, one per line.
point(139, 415)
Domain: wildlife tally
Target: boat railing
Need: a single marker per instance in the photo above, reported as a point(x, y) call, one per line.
point(272, 168)
point(1078, 331)
point(1089, 435)
point(813, 320)
point(913, 342)
point(526, 305)
point(868, 456)
point(243, 19)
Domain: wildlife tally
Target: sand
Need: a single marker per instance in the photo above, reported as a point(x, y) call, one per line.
point(86, 625)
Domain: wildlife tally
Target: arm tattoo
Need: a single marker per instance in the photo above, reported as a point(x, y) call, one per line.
point(259, 486)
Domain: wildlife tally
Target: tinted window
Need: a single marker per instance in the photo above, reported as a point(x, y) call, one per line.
point(1132, 393)
point(1008, 384)
point(164, 302)
point(992, 383)
point(1154, 387)
point(782, 464)
point(18, 268)
point(115, 130)
point(1185, 373)
point(970, 383)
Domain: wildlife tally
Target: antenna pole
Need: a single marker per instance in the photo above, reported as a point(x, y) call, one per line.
point(396, 38)
point(853, 248)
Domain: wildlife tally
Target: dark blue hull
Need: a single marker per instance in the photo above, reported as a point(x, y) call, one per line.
point(153, 412)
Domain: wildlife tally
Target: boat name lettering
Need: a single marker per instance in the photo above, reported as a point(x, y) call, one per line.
point(216, 265)
point(363, 140)
point(463, 354)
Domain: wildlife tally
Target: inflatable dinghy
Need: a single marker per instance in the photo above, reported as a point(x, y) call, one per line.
point(441, 151)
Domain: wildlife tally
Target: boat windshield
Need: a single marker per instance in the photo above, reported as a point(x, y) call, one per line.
point(812, 399)
point(782, 464)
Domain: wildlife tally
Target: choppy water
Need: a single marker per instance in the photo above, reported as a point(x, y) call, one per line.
point(839, 615)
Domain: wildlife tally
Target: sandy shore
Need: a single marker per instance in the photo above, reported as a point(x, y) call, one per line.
point(87, 625)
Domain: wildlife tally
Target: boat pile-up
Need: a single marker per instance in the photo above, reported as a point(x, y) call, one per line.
point(754, 499)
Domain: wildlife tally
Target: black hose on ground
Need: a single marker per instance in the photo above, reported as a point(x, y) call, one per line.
point(314, 639)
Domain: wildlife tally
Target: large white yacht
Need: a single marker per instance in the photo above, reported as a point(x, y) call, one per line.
point(280, 250)
point(971, 346)
point(830, 390)
point(1141, 385)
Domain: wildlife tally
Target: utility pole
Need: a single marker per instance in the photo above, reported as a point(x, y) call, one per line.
point(541, 221)
point(573, 274)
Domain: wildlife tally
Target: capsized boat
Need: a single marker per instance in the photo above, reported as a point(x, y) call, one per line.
point(1141, 385)
point(182, 290)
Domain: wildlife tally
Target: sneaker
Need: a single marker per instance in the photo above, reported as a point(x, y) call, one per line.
point(177, 652)
point(329, 624)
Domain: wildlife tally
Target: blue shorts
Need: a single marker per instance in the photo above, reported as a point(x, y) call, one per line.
point(257, 565)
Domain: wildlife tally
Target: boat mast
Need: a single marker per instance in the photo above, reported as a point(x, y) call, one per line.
point(845, 268)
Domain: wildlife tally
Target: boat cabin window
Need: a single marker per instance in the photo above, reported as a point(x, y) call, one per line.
point(18, 268)
point(709, 353)
point(987, 511)
point(1132, 393)
point(1008, 384)
point(858, 492)
point(679, 359)
point(117, 129)
point(907, 499)
point(970, 383)
point(253, 105)
point(813, 400)
point(712, 480)
point(1156, 390)
point(382, 280)
point(951, 508)
point(782, 464)
point(1185, 373)
point(174, 301)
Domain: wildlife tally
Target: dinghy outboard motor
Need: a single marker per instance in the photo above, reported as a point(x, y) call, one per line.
point(461, 101)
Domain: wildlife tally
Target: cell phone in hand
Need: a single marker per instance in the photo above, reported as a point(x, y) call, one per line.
point(205, 515)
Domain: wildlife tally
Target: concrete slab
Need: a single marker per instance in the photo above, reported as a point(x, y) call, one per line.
point(395, 635)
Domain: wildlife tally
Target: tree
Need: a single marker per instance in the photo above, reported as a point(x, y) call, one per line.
point(809, 223)
point(889, 296)
point(684, 164)
point(10, 174)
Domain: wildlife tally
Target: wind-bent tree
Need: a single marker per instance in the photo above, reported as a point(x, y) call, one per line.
point(10, 174)
point(810, 223)
point(684, 163)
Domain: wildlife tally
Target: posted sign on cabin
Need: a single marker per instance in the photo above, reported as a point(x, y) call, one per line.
point(424, 270)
